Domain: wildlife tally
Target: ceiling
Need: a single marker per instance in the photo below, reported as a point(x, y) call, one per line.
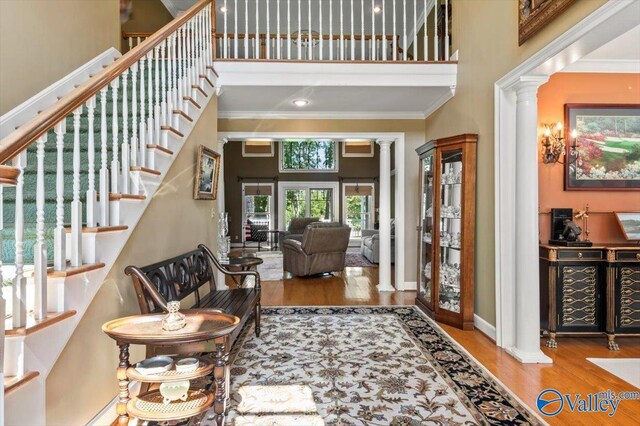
point(620, 55)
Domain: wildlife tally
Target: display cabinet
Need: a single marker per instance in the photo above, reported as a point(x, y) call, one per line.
point(446, 229)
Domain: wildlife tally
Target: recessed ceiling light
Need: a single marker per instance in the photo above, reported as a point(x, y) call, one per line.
point(377, 9)
point(223, 9)
point(301, 102)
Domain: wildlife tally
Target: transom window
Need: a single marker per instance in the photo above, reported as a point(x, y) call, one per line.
point(308, 155)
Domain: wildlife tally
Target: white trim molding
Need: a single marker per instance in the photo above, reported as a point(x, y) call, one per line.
point(603, 25)
point(622, 66)
point(484, 326)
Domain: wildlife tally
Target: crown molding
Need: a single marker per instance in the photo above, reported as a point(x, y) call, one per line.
point(629, 66)
point(325, 115)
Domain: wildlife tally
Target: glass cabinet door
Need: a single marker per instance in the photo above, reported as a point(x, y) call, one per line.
point(450, 223)
point(426, 224)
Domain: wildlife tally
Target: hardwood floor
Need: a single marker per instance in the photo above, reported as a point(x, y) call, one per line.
point(570, 372)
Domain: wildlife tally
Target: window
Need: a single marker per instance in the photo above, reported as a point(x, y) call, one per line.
point(257, 148)
point(308, 155)
point(357, 148)
point(257, 211)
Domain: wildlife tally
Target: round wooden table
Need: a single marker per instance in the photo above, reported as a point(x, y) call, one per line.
point(202, 325)
point(241, 263)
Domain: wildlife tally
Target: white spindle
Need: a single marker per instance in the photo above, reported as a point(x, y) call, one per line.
point(137, 41)
point(279, 38)
point(446, 30)
point(115, 163)
point(133, 153)
point(353, 31)
point(91, 159)
point(415, 30)
point(373, 32)
point(143, 131)
point(130, 39)
point(331, 30)
point(257, 30)
point(76, 204)
point(268, 40)
point(163, 80)
point(426, 30)
point(235, 28)
point(310, 35)
point(40, 247)
point(170, 81)
point(321, 53)
point(299, 30)
point(288, 29)
point(174, 69)
point(60, 237)
point(225, 45)
point(384, 30)
point(405, 48)
point(341, 31)
point(435, 32)
point(104, 170)
point(395, 33)
point(20, 282)
point(362, 36)
point(180, 85)
point(125, 134)
point(156, 107)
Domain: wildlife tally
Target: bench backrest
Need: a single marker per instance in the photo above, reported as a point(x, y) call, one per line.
point(172, 279)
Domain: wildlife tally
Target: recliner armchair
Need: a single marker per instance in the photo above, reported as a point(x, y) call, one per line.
point(370, 244)
point(323, 249)
point(296, 228)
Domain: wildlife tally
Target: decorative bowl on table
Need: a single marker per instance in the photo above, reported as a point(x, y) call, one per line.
point(173, 391)
point(187, 365)
point(155, 365)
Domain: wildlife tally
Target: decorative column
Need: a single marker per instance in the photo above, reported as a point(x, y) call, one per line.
point(384, 270)
point(527, 288)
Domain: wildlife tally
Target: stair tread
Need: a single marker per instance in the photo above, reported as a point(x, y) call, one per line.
point(117, 196)
point(190, 99)
point(160, 148)
point(182, 113)
point(145, 170)
point(75, 270)
point(172, 130)
point(100, 229)
point(34, 325)
point(12, 383)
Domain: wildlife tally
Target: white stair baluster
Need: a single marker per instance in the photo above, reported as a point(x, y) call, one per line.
point(130, 39)
point(373, 32)
point(40, 247)
point(133, 152)
point(331, 30)
point(288, 29)
point(321, 52)
point(170, 79)
point(143, 125)
point(225, 44)
point(384, 31)
point(279, 38)
point(268, 47)
point(257, 46)
point(60, 236)
point(351, 39)
point(150, 124)
point(20, 282)
point(175, 70)
point(180, 85)
point(341, 31)
point(125, 150)
point(415, 30)
point(362, 37)
point(104, 170)
point(156, 107)
point(405, 48)
point(395, 34)
point(115, 163)
point(247, 53)
point(426, 30)
point(436, 55)
point(76, 204)
point(164, 119)
point(299, 30)
point(235, 29)
point(91, 159)
point(310, 39)
point(446, 30)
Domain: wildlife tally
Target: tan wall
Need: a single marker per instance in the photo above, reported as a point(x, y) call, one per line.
point(414, 137)
point(41, 41)
point(577, 88)
point(83, 380)
point(146, 16)
point(486, 34)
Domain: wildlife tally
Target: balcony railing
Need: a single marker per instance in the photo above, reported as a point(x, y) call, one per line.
point(333, 30)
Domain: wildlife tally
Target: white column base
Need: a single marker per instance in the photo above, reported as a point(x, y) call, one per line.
point(537, 357)
point(385, 287)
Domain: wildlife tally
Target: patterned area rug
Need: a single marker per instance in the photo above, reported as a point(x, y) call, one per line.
point(356, 260)
point(361, 366)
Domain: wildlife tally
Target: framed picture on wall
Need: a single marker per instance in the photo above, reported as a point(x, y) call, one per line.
point(534, 15)
point(207, 169)
point(630, 224)
point(605, 152)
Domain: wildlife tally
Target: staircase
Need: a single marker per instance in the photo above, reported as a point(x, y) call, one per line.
point(76, 179)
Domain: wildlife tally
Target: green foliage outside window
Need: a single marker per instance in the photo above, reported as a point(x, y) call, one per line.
point(308, 155)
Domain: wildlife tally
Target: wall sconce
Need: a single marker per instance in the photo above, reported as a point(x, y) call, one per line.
point(553, 145)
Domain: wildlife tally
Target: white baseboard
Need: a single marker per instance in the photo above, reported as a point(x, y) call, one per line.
point(408, 286)
point(485, 327)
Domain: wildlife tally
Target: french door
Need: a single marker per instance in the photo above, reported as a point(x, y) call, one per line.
point(307, 199)
point(358, 207)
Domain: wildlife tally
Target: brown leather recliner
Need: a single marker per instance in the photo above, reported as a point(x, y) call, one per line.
point(322, 250)
point(296, 228)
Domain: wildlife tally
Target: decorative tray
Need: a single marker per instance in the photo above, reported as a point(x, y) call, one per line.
point(172, 375)
point(150, 406)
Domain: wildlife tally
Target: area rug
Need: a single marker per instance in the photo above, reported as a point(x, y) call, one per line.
point(271, 267)
point(356, 260)
point(362, 366)
point(628, 369)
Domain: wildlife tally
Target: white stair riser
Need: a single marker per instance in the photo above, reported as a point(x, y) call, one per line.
point(14, 356)
point(26, 402)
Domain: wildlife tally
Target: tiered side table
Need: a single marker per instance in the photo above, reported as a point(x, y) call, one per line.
point(202, 325)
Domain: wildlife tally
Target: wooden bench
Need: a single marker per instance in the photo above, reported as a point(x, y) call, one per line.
point(184, 275)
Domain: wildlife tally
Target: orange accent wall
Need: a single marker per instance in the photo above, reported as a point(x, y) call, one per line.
point(564, 88)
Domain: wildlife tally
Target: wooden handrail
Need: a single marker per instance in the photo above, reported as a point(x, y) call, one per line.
point(129, 34)
point(20, 139)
